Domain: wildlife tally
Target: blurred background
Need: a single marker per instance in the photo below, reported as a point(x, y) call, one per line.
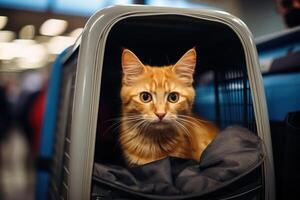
point(34, 32)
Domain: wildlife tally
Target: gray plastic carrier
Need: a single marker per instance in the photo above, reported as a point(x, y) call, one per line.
point(84, 70)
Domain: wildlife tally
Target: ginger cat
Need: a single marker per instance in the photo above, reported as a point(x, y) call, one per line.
point(157, 118)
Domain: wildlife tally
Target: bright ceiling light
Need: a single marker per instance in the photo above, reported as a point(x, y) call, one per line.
point(17, 48)
point(22, 54)
point(24, 42)
point(42, 38)
point(27, 32)
point(76, 32)
point(7, 50)
point(53, 27)
point(7, 36)
point(3, 21)
point(57, 44)
point(35, 57)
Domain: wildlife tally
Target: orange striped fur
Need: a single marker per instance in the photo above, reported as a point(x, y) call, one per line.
point(157, 118)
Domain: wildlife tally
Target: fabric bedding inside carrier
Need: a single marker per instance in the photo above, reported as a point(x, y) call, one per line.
point(235, 152)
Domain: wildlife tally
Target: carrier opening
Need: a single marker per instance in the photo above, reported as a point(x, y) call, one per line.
point(220, 80)
point(222, 96)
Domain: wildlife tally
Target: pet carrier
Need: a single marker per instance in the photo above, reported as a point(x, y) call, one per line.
point(87, 158)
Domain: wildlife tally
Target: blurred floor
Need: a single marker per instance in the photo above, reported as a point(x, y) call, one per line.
point(16, 169)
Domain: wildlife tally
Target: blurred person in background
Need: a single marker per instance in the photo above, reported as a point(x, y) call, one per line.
point(4, 123)
point(30, 107)
point(290, 11)
point(14, 180)
point(5, 113)
point(21, 114)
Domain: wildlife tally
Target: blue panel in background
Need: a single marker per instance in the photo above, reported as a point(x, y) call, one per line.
point(176, 3)
point(283, 94)
point(282, 89)
point(280, 51)
point(39, 5)
point(84, 7)
point(205, 102)
point(72, 7)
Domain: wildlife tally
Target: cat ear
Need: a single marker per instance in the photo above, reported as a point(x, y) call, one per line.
point(185, 67)
point(131, 65)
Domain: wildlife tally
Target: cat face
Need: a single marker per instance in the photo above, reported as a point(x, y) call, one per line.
point(157, 94)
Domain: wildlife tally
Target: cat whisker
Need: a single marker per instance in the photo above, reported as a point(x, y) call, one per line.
point(143, 126)
point(192, 118)
point(134, 126)
point(117, 124)
point(125, 115)
point(185, 130)
point(116, 119)
point(188, 121)
point(128, 140)
point(112, 127)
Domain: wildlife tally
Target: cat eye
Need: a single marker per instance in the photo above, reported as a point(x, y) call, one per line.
point(173, 97)
point(145, 97)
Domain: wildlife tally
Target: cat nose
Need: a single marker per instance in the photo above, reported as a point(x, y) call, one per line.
point(160, 115)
